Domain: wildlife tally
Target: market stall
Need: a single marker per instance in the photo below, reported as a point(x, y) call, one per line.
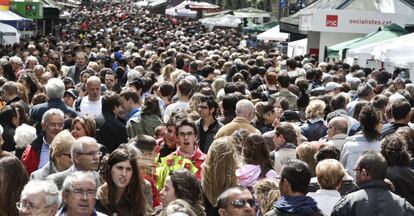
point(383, 33)
point(8, 34)
point(226, 20)
point(273, 34)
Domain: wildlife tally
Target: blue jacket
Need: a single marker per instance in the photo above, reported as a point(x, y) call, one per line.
point(295, 205)
point(313, 131)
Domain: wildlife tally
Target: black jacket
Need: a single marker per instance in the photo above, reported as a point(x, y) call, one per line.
point(205, 138)
point(8, 138)
point(112, 133)
point(373, 198)
point(403, 179)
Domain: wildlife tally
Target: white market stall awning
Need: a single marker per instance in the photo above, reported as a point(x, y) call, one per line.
point(188, 9)
point(201, 5)
point(181, 12)
point(9, 34)
point(273, 34)
point(360, 55)
point(150, 3)
point(398, 51)
point(298, 47)
point(221, 21)
point(157, 3)
point(10, 16)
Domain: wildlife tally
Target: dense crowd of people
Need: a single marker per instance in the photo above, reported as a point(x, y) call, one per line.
point(126, 112)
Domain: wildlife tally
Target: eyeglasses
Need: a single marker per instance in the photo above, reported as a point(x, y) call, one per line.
point(240, 203)
point(78, 193)
point(91, 154)
point(183, 134)
point(27, 205)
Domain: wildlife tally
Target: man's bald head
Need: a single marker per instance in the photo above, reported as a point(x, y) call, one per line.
point(245, 108)
point(93, 87)
point(339, 125)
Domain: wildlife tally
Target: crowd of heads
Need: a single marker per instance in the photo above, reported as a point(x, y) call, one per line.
point(134, 113)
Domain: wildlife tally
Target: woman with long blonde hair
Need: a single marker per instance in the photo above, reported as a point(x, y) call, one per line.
point(267, 192)
point(219, 170)
point(166, 72)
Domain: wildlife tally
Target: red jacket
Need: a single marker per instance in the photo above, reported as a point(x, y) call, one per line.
point(31, 155)
point(155, 195)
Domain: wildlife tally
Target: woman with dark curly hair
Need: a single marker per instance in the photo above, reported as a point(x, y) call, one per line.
point(182, 184)
point(394, 149)
point(368, 140)
point(408, 134)
point(31, 85)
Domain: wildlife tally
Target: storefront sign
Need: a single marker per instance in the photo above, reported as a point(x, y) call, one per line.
point(347, 21)
point(31, 10)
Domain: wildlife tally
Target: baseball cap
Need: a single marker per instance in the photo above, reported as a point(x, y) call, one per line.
point(72, 92)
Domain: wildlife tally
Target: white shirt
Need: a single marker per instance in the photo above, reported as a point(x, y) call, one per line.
point(325, 199)
point(179, 105)
point(93, 108)
point(282, 157)
point(44, 154)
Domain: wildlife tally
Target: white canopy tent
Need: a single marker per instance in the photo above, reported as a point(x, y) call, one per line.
point(273, 34)
point(180, 10)
point(8, 34)
point(15, 20)
point(398, 51)
point(361, 55)
point(298, 47)
point(184, 8)
point(140, 4)
point(157, 2)
point(226, 20)
point(10, 16)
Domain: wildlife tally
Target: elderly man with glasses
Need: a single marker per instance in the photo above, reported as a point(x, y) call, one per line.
point(37, 155)
point(39, 198)
point(78, 195)
point(85, 157)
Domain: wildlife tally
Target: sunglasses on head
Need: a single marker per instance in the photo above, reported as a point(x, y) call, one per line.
point(240, 203)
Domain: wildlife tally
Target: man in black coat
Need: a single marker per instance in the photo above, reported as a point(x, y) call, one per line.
point(373, 196)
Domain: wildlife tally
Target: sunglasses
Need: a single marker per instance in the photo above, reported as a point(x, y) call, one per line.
point(240, 203)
